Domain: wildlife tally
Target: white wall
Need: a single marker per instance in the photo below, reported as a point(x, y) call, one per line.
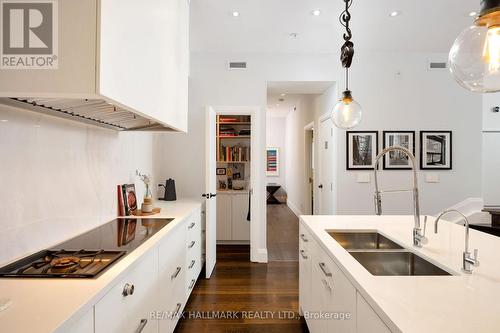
point(398, 93)
point(295, 143)
point(275, 137)
point(59, 178)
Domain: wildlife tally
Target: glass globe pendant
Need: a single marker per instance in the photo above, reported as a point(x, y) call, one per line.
point(347, 112)
point(474, 58)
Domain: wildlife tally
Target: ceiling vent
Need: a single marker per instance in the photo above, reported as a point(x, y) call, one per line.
point(237, 65)
point(437, 66)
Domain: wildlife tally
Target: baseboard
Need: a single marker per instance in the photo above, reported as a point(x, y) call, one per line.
point(294, 208)
point(260, 255)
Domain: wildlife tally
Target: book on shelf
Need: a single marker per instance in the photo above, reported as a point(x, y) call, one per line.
point(235, 153)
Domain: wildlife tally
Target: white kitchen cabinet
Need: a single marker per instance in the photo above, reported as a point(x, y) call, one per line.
point(239, 211)
point(304, 271)
point(224, 227)
point(194, 251)
point(131, 54)
point(85, 324)
point(232, 211)
point(367, 320)
point(127, 306)
point(331, 293)
point(171, 278)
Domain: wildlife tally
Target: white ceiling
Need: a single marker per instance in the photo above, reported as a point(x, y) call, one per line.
point(265, 25)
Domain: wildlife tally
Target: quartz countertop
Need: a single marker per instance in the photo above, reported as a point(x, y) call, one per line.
point(54, 305)
point(415, 304)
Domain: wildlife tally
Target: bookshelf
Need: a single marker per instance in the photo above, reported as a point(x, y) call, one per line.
point(233, 139)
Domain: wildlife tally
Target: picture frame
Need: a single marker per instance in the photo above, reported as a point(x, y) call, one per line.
point(361, 150)
point(272, 162)
point(395, 160)
point(221, 171)
point(436, 150)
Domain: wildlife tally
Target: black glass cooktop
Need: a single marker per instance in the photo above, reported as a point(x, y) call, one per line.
point(89, 254)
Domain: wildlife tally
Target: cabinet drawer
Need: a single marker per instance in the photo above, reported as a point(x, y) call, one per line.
point(367, 320)
point(127, 306)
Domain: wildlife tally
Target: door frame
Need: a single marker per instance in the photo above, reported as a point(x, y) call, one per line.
point(310, 198)
point(258, 246)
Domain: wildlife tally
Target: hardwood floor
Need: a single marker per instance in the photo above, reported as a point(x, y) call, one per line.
point(282, 233)
point(263, 296)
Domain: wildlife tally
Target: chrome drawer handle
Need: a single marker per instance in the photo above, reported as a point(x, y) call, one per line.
point(192, 264)
point(191, 225)
point(302, 253)
point(191, 244)
point(141, 325)
point(177, 271)
point(303, 237)
point(177, 309)
point(192, 284)
point(128, 289)
point(324, 269)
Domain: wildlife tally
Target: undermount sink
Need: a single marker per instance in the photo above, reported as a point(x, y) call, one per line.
point(363, 240)
point(401, 263)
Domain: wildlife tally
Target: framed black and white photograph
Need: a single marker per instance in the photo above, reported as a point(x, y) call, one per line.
point(396, 160)
point(362, 149)
point(436, 150)
point(221, 171)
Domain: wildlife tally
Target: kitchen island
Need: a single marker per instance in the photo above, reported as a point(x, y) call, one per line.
point(334, 283)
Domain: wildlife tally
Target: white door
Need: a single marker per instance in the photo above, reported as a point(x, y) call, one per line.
point(326, 165)
point(210, 191)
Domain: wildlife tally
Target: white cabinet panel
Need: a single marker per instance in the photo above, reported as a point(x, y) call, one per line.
point(239, 212)
point(145, 64)
point(172, 275)
point(119, 313)
point(224, 217)
point(85, 324)
point(304, 271)
point(367, 320)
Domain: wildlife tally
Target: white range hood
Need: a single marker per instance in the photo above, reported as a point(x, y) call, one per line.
point(121, 64)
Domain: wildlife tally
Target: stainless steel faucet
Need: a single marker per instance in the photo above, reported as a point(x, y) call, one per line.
point(418, 235)
point(468, 260)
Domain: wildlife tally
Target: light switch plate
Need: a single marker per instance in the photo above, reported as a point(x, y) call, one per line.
point(431, 178)
point(363, 177)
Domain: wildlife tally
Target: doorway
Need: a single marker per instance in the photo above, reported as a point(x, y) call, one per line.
point(326, 168)
point(309, 167)
point(229, 147)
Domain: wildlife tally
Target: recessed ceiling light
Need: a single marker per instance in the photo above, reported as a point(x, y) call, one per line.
point(235, 14)
point(4, 120)
point(395, 13)
point(316, 12)
point(283, 95)
point(472, 14)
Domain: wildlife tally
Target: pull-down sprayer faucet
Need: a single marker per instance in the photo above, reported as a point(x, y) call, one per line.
point(418, 235)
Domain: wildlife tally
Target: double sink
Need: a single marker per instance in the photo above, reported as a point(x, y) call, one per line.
point(381, 256)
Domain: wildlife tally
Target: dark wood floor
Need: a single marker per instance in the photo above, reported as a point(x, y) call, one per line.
point(282, 233)
point(250, 289)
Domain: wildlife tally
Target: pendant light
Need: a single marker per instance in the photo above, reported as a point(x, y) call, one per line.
point(347, 112)
point(475, 56)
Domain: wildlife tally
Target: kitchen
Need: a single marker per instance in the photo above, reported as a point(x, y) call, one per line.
point(123, 99)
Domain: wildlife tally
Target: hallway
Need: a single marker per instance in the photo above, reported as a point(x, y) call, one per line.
point(282, 234)
point(260, 294)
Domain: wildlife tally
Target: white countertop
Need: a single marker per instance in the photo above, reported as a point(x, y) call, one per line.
point(440, 304)
point(53, 305)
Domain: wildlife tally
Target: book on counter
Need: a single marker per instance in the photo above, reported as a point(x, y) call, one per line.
point(127, 199)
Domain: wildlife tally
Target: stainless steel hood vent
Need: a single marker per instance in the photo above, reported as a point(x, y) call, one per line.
point(96, 112)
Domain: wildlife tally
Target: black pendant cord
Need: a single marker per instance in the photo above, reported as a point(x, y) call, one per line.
point(347, 50)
